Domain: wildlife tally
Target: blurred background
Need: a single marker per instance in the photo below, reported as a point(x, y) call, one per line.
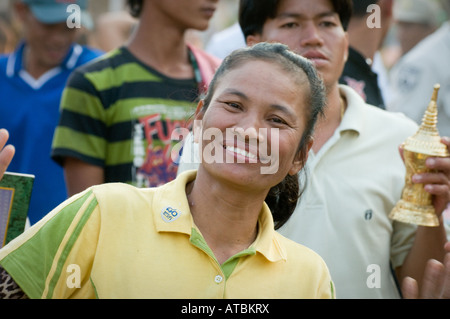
point(110, 16)
point(111, 25)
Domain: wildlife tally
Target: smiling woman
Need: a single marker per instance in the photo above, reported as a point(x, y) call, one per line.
point(209, 230)
point(234, 102)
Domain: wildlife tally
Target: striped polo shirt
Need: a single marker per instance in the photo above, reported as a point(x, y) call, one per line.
point(118, 113)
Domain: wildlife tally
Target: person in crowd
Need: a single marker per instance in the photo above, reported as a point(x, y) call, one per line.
point(32, 79)
point(414, 21)
point(226, 41)
point(367, 30)
point(9, 32)
point(113, 30)
point(355, 171)
point(6, 152)
point(118, 114)
point(209, 230)
point(415, 74)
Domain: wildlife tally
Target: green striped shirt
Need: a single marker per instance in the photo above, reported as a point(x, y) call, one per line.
point(119, 113)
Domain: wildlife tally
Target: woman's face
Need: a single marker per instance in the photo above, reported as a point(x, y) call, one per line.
point(252, 128)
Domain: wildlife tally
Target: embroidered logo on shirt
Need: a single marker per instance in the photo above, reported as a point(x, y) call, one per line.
point(170, 214)
point(356, 85)
point(368, 214)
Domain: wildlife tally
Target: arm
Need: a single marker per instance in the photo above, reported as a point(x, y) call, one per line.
point(80, 175)
point(436, 281)
point(80, 137)
point(429, 241)
point(6, 152)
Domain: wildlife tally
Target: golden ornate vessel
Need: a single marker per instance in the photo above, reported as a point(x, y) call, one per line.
point(416, 206)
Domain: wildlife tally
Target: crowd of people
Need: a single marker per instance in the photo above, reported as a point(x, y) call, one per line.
point(101, 133)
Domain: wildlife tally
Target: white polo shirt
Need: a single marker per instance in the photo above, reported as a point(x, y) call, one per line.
point(354, 181)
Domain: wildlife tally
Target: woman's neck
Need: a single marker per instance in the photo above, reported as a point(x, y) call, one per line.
point(226, 217)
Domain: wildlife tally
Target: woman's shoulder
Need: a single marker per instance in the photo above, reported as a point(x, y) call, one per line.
point(295, 252)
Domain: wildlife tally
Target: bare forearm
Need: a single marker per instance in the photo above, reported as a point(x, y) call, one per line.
point(428, 244)
point(80, 175)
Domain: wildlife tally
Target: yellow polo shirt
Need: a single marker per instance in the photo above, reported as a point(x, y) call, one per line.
point(118, 241)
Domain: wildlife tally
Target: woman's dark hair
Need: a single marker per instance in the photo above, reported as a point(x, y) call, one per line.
point(282, 198)
point(254, 13)
point(135, 7)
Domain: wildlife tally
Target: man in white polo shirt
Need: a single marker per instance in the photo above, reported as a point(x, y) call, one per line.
point(355, 172)
point(414, 75)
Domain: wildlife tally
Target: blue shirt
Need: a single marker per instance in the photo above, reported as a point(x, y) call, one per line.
point(29, 110)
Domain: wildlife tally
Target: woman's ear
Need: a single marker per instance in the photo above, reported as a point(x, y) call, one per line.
point(300, 158)
point(197, 128)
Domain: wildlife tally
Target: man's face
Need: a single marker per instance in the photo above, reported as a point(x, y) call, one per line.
point(311, 29)
point(48, 44)
point(192, 14)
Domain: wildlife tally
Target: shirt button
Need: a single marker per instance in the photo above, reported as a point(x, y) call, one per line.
point(218, 279)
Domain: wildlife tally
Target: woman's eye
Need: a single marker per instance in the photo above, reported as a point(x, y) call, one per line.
point(278, 120)
point(233, 105)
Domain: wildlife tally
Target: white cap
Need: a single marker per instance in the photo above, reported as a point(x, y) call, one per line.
point(418, 11)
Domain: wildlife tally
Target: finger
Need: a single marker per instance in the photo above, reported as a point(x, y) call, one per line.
point(439, 163)
point(6, 156)
point(432, 283)
point(446, 140)
point(410, 289)
point(434, 183)
point(4, 135)
point(447, 247)
point(446, 280)
point(400, 150)
point(438, 189)
point(437, 177)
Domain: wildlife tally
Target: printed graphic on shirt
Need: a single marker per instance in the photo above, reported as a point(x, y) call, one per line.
point(368, 214)
point(356, 85)
point(170, 214)
point(153, 143)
